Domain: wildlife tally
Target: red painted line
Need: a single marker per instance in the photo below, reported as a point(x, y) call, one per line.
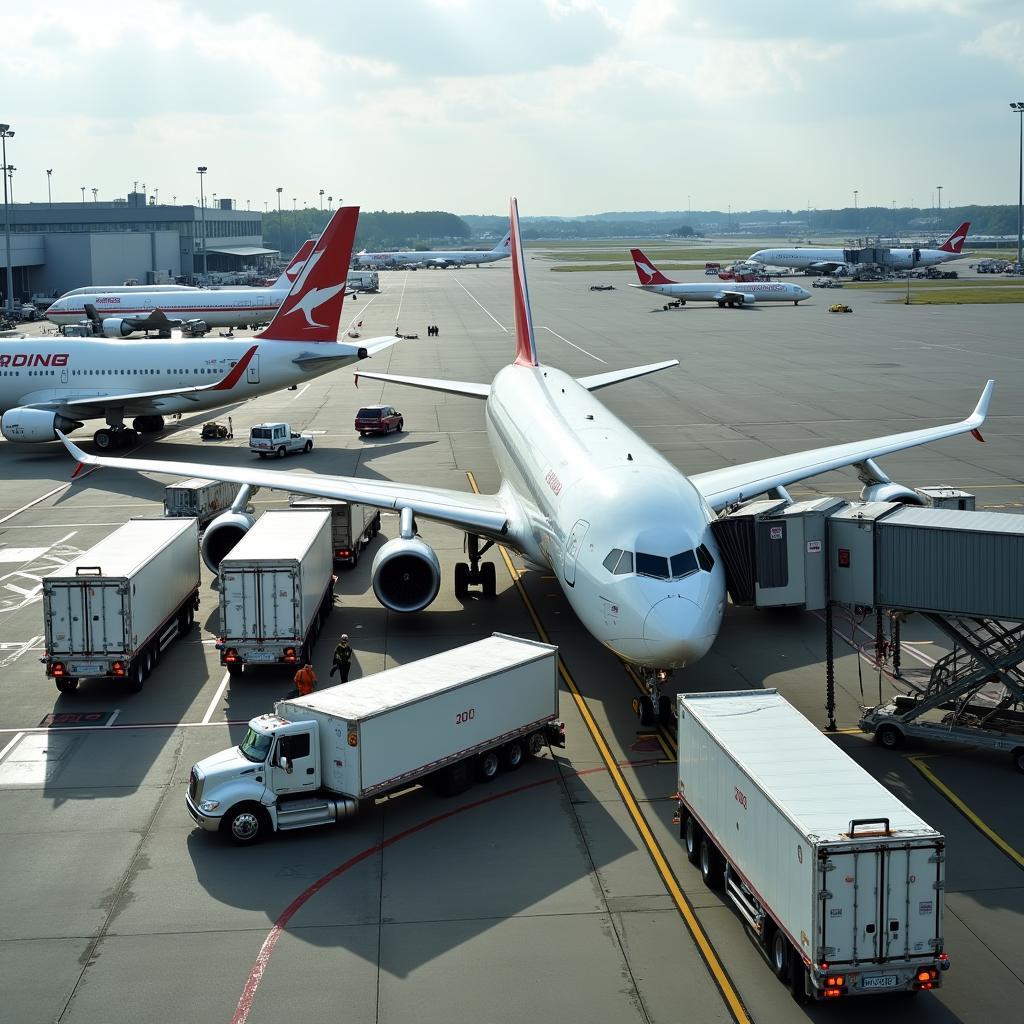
point(252, 983)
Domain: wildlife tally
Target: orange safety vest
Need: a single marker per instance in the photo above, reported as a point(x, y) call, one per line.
point(305, 680)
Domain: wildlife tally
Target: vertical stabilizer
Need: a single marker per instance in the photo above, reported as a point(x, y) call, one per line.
point(292, 271)
point(955, 242)
point(646, 270)
point(505, 245)
point(526, 341)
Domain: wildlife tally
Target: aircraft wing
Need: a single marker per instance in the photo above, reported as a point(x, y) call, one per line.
point(489, 515)
point(604, 380)
point(722, 487)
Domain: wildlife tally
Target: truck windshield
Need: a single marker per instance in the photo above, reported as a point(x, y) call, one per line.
point(255, 746)
point(260, 432)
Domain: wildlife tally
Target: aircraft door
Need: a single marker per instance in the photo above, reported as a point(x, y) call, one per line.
point(64, 376)
point(252, 371)
point(572, 551)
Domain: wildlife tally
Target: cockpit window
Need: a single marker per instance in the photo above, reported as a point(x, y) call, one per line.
point(683, 564)
point(706, 559)
point(652, 565)
point(619, 562)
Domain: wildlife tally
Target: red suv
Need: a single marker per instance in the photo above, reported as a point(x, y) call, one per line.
point(378, 419)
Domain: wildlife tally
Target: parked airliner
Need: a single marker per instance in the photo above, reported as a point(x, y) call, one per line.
point(436, 258)
point(827, 261)
point(625, 533)
point(51, 384)
point(119, 310)
point(735, 293)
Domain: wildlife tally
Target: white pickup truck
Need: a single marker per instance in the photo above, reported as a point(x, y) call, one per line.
point(278, 439)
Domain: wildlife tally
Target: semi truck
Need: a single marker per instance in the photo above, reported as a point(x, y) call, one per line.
point(199, 499)
point(451, 719)
point(840, 882)
point(353, 526)
point(276, 590)
point(363, 281)
point(112, 611)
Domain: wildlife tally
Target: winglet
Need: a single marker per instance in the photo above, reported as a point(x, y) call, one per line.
point(955, 242)
point(646, 270)
point(526, 341)
point(977, 418)
point(81, 457)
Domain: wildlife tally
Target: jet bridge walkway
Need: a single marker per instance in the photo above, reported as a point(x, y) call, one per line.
point(961, 570)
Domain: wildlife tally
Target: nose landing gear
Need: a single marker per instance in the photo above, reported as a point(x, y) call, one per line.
point(654, 707)
point(473, 573)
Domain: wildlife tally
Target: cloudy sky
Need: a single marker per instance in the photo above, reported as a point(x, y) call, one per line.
point(578, 106)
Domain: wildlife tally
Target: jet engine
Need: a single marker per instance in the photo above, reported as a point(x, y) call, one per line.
point(26, 424)
point(117, 327)
point(223, 534)
point(406, 575)
point(890, 491)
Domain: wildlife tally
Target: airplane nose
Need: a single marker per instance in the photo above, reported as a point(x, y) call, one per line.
point(670, 632)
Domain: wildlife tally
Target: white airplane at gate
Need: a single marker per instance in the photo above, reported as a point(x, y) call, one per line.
point(734, 293)
point(54, 384)
point(121, 310)
point(437, 258)
point(627, 534)
point(827, 261)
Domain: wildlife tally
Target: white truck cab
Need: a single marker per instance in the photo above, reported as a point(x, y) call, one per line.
point(278, 439)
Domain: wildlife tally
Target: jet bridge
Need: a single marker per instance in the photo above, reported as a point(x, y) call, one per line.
point(960, 568)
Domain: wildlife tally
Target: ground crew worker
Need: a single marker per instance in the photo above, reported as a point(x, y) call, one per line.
point(305, 680)
point(342, 658)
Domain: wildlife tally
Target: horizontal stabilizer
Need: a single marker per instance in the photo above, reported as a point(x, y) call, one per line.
point(448, 387)
point(604, 380)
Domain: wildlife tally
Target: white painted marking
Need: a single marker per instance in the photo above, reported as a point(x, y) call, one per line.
point(359, 315)
point(401, 299)
point(113, 718)
point(482, 306)
point(577, 347)
point(19, 649)
point(48, 494)
point(14, 741)
point(21, 554)
point(217, 697)
point(301, 391)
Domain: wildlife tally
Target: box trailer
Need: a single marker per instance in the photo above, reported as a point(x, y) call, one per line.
point(198, 499)
point(113, 610)
point(276, 590)
point(363, 281)
point(840, 882)
point(353, 526)
point(453, 718)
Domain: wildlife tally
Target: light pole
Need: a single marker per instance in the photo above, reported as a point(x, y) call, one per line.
point(49, 196)
point(295, 226)
point(330, 203)
point(1018, 109)
point(10, 176)
point(280, 223)
point(82, 187)
point(5, 134)
point(95, 193)
point(939, 187)
point(201, 171)
point(321, 200)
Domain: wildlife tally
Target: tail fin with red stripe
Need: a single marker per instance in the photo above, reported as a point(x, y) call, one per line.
point(526, 341)
point(311, 312)
point(955, 242)
point(287, 278)
point(646, 270)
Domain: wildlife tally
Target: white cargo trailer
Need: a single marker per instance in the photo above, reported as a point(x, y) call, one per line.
point(199, 499)
point(841, 882)
point(276, 590)
point(458, 716)
point(363, 281)
point(114, 609)
point(353, 526)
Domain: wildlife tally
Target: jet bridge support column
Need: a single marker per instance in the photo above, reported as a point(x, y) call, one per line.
point(830, 670)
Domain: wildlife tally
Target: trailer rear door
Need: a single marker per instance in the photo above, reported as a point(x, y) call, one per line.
point(265, 597)
point(86, 617)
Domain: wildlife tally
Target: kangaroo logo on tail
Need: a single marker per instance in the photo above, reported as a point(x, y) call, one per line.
point(646, 270)
point(955, 242)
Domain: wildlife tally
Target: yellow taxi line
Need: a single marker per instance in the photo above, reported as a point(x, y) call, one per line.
point(707, 951)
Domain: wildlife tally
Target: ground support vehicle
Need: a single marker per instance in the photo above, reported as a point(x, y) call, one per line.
point(448, 720)
point(214, 431)
point(826, 282)
point(674, 304)
point(840, 307)
point(198, 499)
point(841, 883)
point(276, 590)
point(353, 526)
point(278, 439)
point(113, 610)
point(363, 281)
point(378, 419)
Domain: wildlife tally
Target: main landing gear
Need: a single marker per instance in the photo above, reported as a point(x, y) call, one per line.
point(654, 707)
point(474, 573)
point(117, 435)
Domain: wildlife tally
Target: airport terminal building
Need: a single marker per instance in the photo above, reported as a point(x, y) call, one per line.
point(59, 246)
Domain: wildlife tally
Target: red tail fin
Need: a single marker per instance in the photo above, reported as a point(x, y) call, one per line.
point(311, 311)
point(955, 242)
point(646, 270)
point(526, 342)
point(292, 271)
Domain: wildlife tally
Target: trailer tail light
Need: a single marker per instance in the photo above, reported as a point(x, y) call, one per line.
point(344, 553)
point(833, 993)
point(231, 654)
point(943, 961)
point(289, 654)
point(57, 668)
point(836, 982)
point(117, 668)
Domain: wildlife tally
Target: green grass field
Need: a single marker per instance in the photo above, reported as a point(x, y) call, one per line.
point(665, 253)
point(963, 296)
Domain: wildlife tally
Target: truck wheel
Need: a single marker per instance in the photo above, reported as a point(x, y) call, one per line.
point(535, 744)
point(889, 737)
point(246, 824)
point(234, 669)
point(712, 866)
point(135, 676)
point(512, 755)
point(461, 579)
point(281, 452)
point(799, 982)
point(779, 949)
point(488, 582)
point(1017, 755)
point(66, 684)
point(185, 619)
point(487, 765)
point(664, 710)
point(262, 455)
point(309, 447)
point(691, 838)
point(148, 661)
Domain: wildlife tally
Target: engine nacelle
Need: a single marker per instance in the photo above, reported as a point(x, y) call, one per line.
point(29, 425)
point(406, 575)
point(222, 535)
point(891, 491)
point(116, 327)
